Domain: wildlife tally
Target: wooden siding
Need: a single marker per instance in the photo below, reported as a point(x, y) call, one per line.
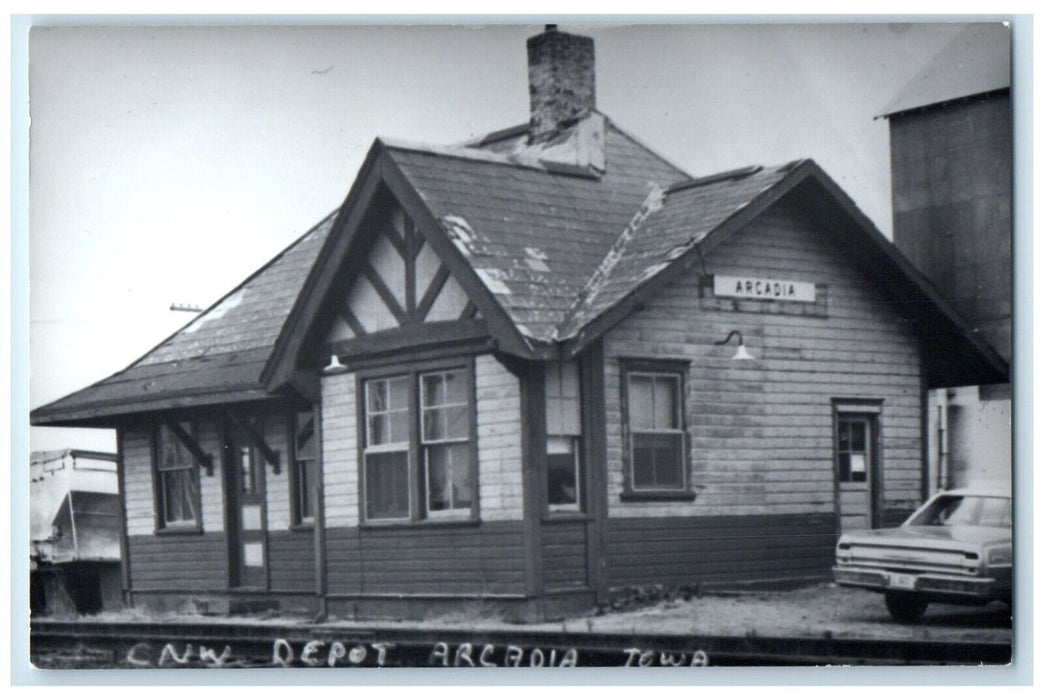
point(291, 560)
point(179, 562)
point(692, 550)
point(762, 431)
point(340, 460)
point(465, 558)
point(277, 486)
point(564, 550)
point(498, 405)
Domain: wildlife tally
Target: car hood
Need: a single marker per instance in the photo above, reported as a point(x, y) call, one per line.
point(931, 537)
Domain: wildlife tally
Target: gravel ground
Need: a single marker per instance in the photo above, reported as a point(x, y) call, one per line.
point(814, 611)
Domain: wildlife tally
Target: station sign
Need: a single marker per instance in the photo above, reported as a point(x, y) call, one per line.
point(763, 289)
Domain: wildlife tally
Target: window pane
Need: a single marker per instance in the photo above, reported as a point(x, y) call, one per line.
point(399, 426)
point(457, 422)
point(387, 485)
point(434, 392)
point(179, 496)
point(172, 453)
point(858, 436)
point(561, 472)
point(843, 440)
point(640, 402)
point(449, 477)
point(456, 387)
point(658, 460)
point(247, 482)
point(665, 403)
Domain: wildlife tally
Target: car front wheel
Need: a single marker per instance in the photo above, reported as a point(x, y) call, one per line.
point(905, 607)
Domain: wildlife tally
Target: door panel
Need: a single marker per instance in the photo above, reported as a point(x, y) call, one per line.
point(246, 510)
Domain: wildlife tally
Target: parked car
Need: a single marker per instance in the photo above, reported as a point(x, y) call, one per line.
point(956, 548)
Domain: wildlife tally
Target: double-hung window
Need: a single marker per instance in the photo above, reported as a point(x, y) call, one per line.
point(655, 428)
point(562, 415)
point(302, 470)
point(418, 449)
point(387, 454)
point(176, 481)
point(444, 441)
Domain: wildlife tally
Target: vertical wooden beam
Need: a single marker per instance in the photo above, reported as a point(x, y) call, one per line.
point(410, 266)
point(593, 416)
point(532, 411)
point(318, 513)
point(926, 426)
point(121, 488)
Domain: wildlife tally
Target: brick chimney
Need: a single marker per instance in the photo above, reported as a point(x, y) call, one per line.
point(561, 81)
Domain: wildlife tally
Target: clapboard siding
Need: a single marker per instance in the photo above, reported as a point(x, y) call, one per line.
point(291, 560)
point(761, 432)
point(564, 549)
point(466, 558)
point(498, 402)
point(690, 550)
point(178, 562)
point(340, 456)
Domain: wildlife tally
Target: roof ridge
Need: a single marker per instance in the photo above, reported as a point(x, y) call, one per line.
point(229, 293)
point(514, 160)
point(641, 144)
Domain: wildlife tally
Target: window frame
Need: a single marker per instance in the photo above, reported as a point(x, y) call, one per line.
point(297, 518)
point(417, 472)
point(679, 370)
point(181, 527)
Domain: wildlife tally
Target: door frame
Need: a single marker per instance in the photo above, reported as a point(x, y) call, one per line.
point(871, 409)
point(233, 507)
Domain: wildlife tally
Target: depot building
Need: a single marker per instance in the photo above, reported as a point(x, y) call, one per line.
point(530, 373)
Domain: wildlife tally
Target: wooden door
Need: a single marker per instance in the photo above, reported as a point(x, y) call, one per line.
point(855, 448)
point(246, 510)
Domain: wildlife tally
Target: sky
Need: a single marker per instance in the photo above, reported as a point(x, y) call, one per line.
point(167, 163)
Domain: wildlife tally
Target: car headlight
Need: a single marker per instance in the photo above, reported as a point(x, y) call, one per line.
point(999, 555)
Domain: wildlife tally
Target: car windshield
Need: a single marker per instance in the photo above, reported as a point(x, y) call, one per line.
point(984, 511)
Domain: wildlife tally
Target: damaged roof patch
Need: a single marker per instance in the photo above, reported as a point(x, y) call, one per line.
point(231, 302)
point(493, 278)
point(460, 233)
point(536, 259)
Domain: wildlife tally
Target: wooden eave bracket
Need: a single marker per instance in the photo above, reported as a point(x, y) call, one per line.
point(258, 441)
point(191, 445)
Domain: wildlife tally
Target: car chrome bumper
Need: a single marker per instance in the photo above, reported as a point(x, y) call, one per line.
point(878, 579)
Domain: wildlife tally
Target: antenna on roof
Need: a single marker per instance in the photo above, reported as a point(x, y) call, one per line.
point(186, 307)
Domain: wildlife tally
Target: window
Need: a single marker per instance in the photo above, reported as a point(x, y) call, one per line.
point(853, 448)
point(302, 468)
point(655, 428)
point(177, 481)
point(418, 440)
point(562, 414)
point(387, 455)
